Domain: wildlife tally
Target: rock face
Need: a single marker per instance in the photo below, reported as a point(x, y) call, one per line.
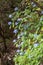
point(0, 61)
point(5, 8)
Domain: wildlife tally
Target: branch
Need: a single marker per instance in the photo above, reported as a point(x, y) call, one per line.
point(4, 40)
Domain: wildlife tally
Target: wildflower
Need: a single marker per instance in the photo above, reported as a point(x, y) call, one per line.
point(16, 9)
point(21, 53)
point(19, 19)
point(10, 16)
point(9, 23)
point(36, 44)
point(18, 51)
point(18, 37)
point(15, 31)
point(34, 5)
point(16, 23)
point(14, 40)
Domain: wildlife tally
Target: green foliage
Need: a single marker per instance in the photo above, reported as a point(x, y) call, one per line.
point(31, 56)
point(27, 25)
point(29, 37)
